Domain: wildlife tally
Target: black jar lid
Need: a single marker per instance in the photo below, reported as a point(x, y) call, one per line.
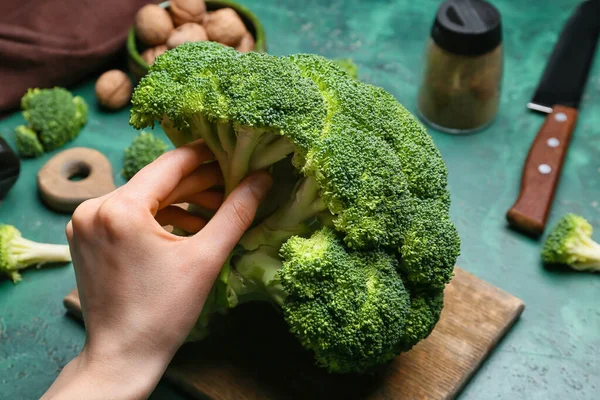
point(467, 27)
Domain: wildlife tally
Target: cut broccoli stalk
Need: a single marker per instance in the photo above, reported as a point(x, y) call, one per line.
point(18, 253)
point(571, 243)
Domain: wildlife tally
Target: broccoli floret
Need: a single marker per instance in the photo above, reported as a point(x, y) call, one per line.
point(424, 312)
point(360, 196)
point(571, 243)
point(28, 143)
point(144, 149)
point(349, 307)
point(429, 247)
point(240, 106)
point(17, 253)
point(55, 115)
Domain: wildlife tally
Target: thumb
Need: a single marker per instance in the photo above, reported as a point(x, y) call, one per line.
point(234, 217)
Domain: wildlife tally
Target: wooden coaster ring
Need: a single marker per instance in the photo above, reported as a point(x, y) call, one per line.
point(74, 176)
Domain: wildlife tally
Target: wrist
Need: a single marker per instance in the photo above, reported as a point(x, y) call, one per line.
point(94, 375)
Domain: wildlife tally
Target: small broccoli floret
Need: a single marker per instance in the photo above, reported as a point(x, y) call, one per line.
point(144, 149)
point(28, 143)
point(571, 243)
point(55, 115)
point(17, 253)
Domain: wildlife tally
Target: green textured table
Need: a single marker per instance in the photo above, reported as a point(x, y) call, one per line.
point(553, 352)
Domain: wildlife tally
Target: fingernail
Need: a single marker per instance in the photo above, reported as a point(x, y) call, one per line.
point(260, 183)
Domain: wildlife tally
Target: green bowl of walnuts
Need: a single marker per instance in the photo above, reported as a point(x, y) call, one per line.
point(161, 27)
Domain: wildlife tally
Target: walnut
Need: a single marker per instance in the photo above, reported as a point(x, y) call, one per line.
point(225, 26)
point(153, 25)
point(190, 32)
point(184, 11)
point(246, 44)
point(150, 54)
point(113, 89)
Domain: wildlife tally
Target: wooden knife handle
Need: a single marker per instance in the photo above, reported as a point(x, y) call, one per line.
point(542, 171)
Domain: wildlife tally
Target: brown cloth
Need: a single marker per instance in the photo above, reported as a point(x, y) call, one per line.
point(46, 43)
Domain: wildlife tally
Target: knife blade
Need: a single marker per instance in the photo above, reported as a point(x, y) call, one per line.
point(558, 95)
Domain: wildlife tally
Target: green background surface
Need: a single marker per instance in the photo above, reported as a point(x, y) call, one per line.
point(551, 353)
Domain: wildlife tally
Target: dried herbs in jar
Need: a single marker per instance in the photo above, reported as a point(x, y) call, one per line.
point(462, 79)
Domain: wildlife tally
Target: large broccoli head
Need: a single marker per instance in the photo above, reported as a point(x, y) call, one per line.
point(346, 157)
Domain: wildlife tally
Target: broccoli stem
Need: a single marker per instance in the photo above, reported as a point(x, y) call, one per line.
point(226, 136)
point(176, 136)
point(289, 220)
point(255, 149)
point(251, 276)
point(266, 138)
point(254, 277)
point(239, 149)
point(591, 247)
point(272, 152)
point(247, 139)
point(28, 252)
point(208, 131)
point(588, 252)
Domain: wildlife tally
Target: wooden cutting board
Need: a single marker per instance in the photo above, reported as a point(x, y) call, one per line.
point(250, 355)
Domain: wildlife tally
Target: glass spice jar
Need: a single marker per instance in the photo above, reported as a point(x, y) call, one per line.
point(460, 90)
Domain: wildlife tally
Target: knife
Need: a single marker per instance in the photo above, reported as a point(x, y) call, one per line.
point(558, 95)
point(10, 167)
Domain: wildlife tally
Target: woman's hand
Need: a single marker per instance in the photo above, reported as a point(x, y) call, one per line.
point(142, 288)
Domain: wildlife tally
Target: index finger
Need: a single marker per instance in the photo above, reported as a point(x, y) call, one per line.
point(158, 179)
